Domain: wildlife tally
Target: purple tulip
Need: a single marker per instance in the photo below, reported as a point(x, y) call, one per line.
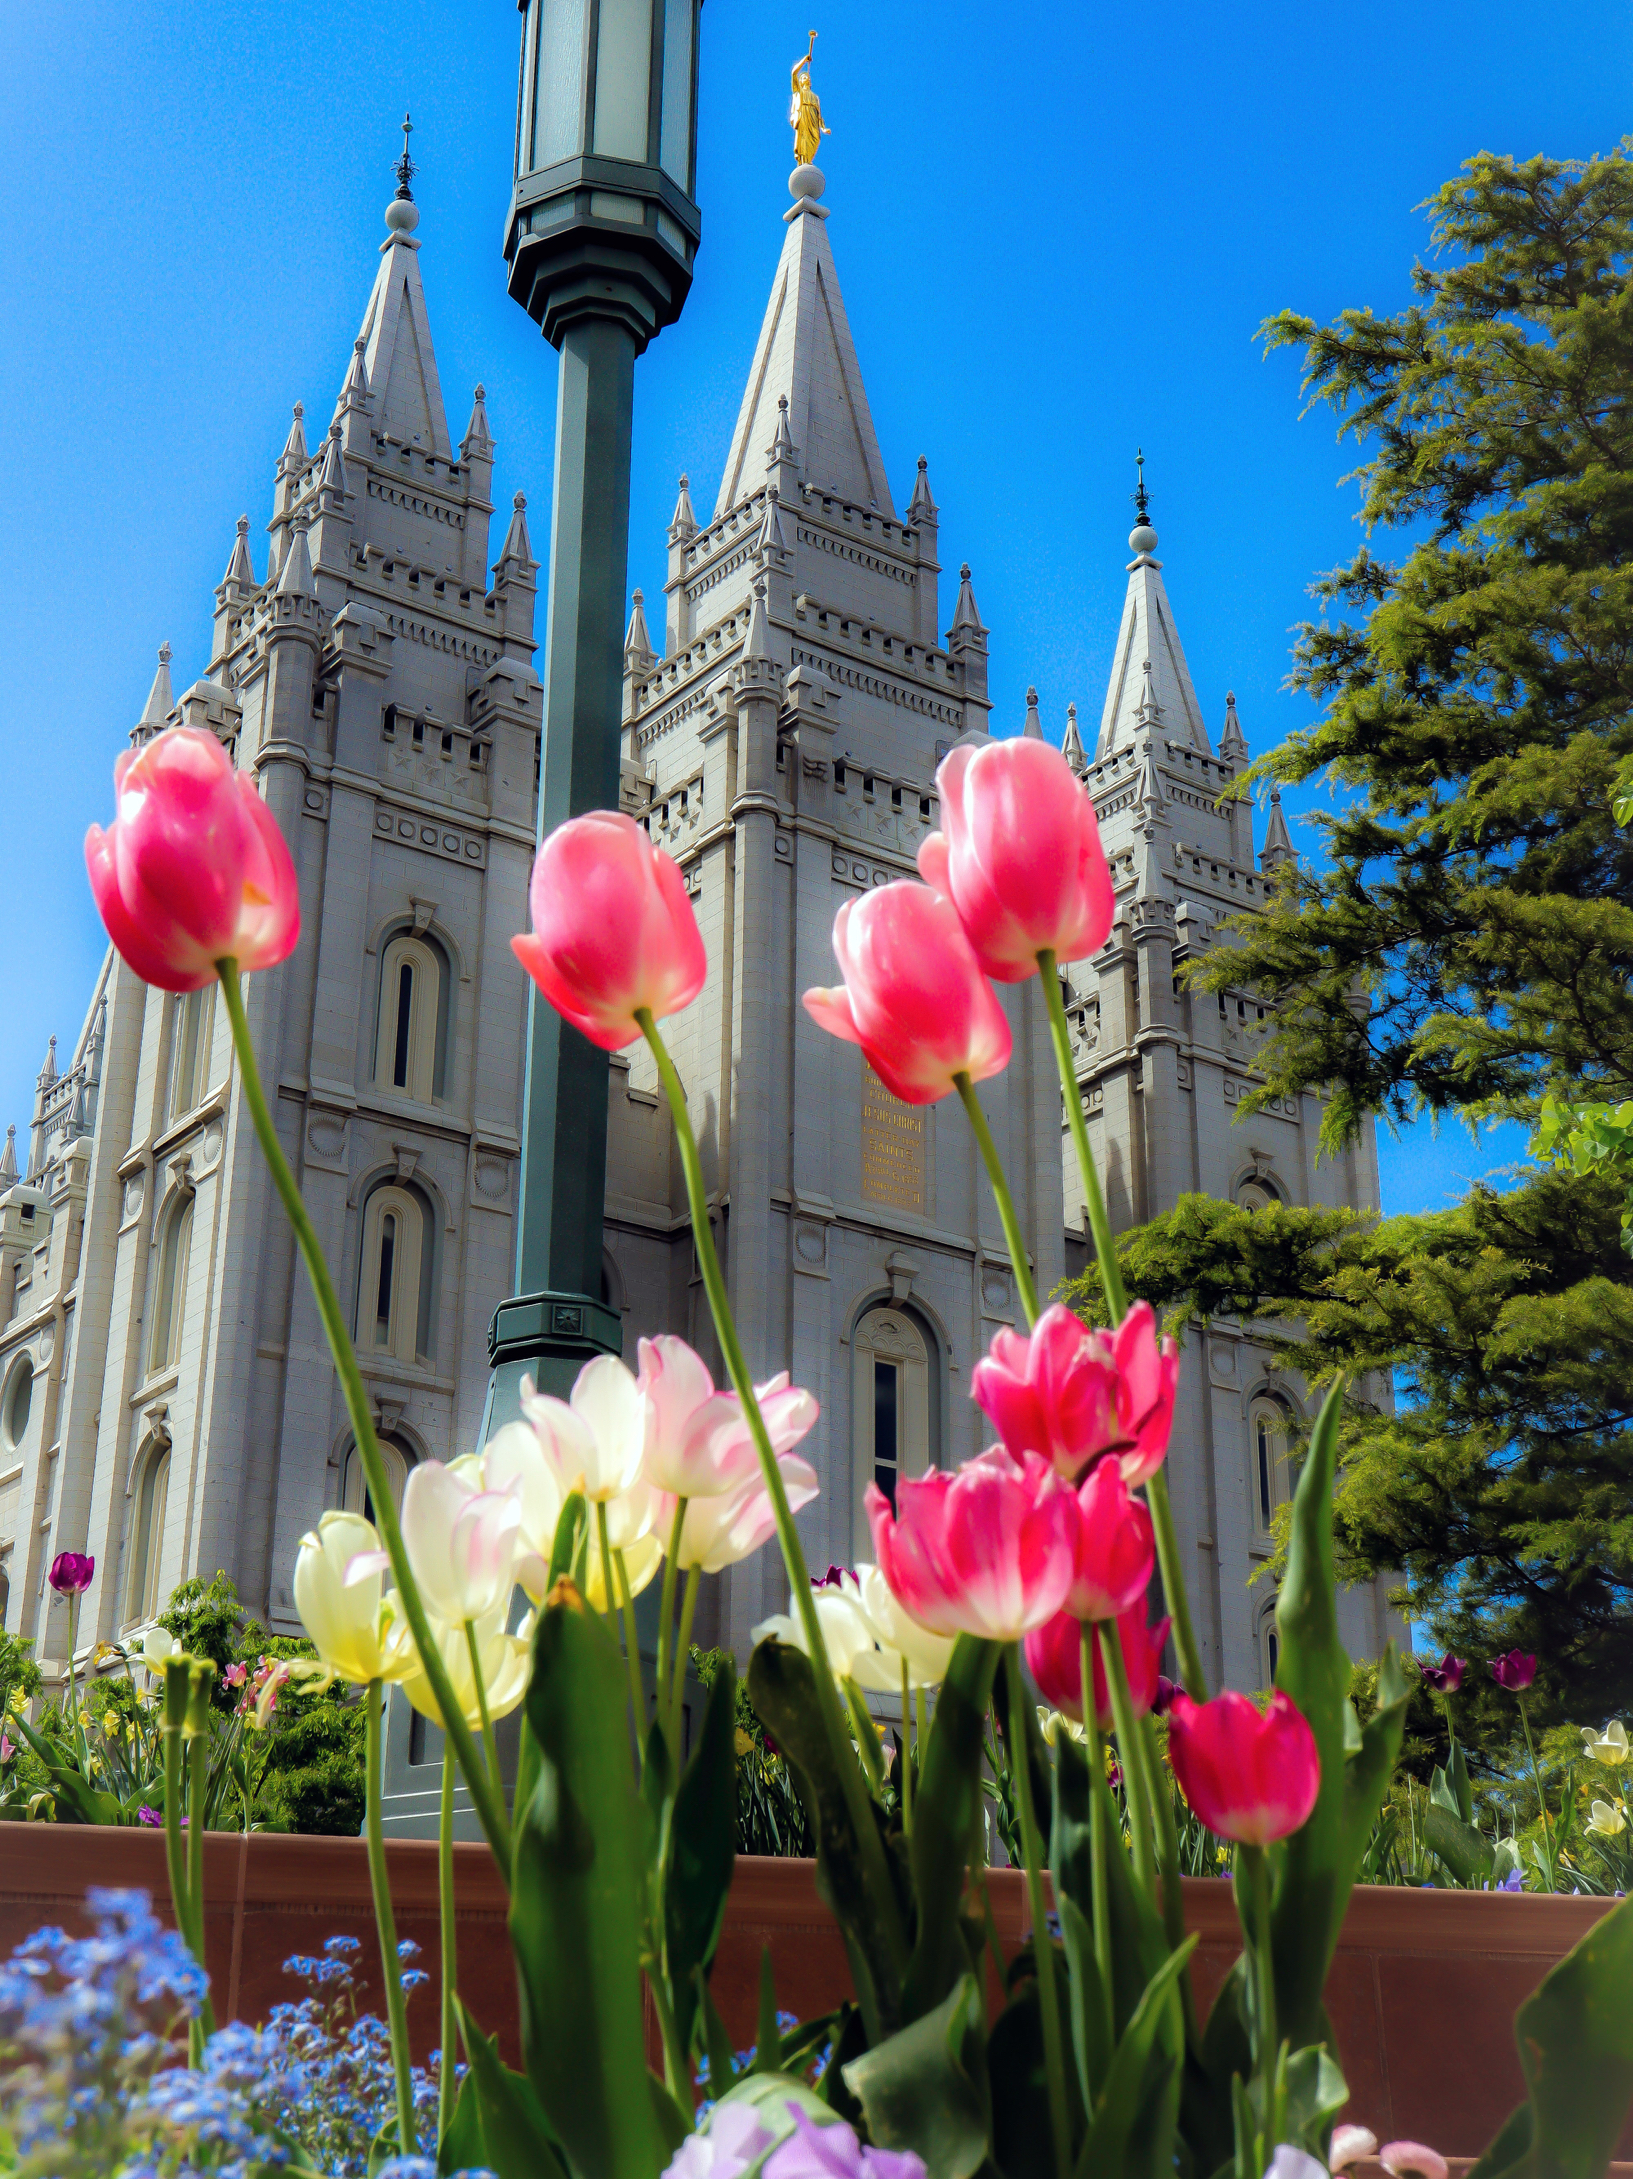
point(1447, 1676)
point(1516, 1671)
point(71, 1573)
point(149, 1816)
point(1163, 1700)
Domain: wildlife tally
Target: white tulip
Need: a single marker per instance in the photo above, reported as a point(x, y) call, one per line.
point(1610, 1748)
point(461, 1540)
point(900, 1637)
point(845, 1629)
point(339, 1598)
point(506, 1663)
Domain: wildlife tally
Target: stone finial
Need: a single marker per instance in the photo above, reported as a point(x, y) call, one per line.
point(683, 523)
point(781, 448)
point(773, 538)
point(921, 508)
point(1142, 539)
point(294, 454)
point(240, 568)
point(48, 1073)
point(968, 615)
point(1149, 712)
point(8, 1156)
point(757, 643)
point(518, 550)
point(1278, 845)
point(159, 705)
point(1232, 742)
point(332, 477)
point(477, 443)
point(295, 576)
point(638, 649)
point(1033, 729)
point(1071, 747)
point(355, 393)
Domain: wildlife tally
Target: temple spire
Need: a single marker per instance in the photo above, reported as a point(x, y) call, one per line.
point(921, 508)
point(1071, 747)
point(160, 703)
point(1278, 845)
point(478, 441)
point(8, 1157)
point(1033, 729)
point(683, 523)
point(638, 649)
point(1232, 742)
point(294, 457)
point(518, 550)
point(295, 576)
point(240, 567)
point(1150, 680)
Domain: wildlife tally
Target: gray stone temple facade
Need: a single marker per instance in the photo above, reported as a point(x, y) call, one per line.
point(166, 1399)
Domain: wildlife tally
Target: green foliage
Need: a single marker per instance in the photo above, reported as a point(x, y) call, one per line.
point(1470, 943)
point(208, 1621)
point(1501, 1487)
point(19, 1674)
point(771, 1817)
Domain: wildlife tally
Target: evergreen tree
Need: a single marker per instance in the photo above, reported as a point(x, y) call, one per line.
point(1465, 945)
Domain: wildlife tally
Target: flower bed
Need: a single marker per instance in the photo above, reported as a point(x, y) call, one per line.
point(1422, 1991)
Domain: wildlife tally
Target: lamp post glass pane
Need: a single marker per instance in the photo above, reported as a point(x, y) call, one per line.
point(559, 82)
point(623, 70)
point(676, 140)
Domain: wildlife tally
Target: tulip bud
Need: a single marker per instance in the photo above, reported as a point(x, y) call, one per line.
point(193, 869)
point(914, 997)
point(71, 1573)
point(1251, 1776)
point(613, 931)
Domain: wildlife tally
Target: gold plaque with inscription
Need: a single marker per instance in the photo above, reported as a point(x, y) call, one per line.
point(892, 1147)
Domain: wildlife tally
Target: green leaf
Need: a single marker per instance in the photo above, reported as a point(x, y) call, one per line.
point(1575, 2037)
point(1018, 2081)
point(516, 2138)
point(464, 2147)
point(1319, 1860)
point(722, 2059)
point(1089, 2004)
point(701, 1851)
point(1129, 2113)
point(870, 1917)
point(1316, 2093)
point(946, 1811)
point(673, 2123)
point(571, 1540)
point(1457, 1773)
point(1468, 1856)
point(1441, 1794)
point(576, 1901)
point(1139, 1945)
point(924, 2088)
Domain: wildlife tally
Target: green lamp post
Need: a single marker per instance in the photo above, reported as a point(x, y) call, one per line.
point(600, 240)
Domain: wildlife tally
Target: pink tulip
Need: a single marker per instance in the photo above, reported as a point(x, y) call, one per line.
point(913, 997)
point(1054, 1657)
point(1115, 1547)
point(987, 1550)
point(733, 1524)
point(1073, 1393)
point(1348, 2145)
point(1401, 2157)
point(699, 1443)
point(462, 1543)
point(193, 870)
point(1251, 1775)
point(1020, 857)
point(613, 930)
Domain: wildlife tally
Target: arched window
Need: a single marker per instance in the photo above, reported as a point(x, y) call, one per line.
point(19, 1400)
point(1269, 1643)
point(355, 1495)
point(170, 1292)
point(394, 1288)
point(1274, 1476)
point(147, 1535)
point(890, 1430)
point(411, 1041)
point(5, 1593)
point(190, 1060)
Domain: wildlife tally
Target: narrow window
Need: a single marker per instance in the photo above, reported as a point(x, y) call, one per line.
point(1266, 1452)
point(394, 1296)
point(147, 1536)
point(405, 1022)
point(839, 776)
point(1272, 1645)
point(388, 1252)
point(170, 1298)
point(886, 1426)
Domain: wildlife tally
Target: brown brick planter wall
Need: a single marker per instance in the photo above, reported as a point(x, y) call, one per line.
point(1422, 1992)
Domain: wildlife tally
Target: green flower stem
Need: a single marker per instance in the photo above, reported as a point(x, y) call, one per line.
point(176, 1866)
point(1173, 1898)
point(1542, 1805)
point(450, 1964)
point(866, 1739)
point(1100, 1813)
point(1256, 1870)
point(1122, 1710)
point(490, 1745)
point(683, 1652)
point(386, 1923)
point(73, 1704)
point(198, 1758)
point(632, 1651)
point(1043, 1947)
point(1175, 1592)
point(921, 1730)
point(1105, 1248)
point(677, 2076)
point(1001, 1196)
point(666, 1619)
point(907, 1754)
point(852, 1783)
point(485, 1797)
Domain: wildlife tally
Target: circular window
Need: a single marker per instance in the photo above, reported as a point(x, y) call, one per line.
point(19, 1399)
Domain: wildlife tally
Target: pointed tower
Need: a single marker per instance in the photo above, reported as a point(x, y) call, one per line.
point(805, 357)
point(1033, 728)
point(1071, 745)
point(8, 1158)
point(924, 519)
point(639, 655)
point(1148, 638)
point(155, 712)
point(1278, 846)
point(1232, 741)
point(967, 647)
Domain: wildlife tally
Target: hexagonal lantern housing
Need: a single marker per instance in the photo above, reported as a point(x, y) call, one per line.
point(602, 220)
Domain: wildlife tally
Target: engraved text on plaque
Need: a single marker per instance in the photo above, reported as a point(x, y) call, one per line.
point(892, 1147)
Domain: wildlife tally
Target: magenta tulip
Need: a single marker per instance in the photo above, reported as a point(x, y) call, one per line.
point(988, 1549)
point(914, 996)
point(1054, 1657)
point(1447, 1676)
point(1073, 1393)
point(193, 870)
point(1516, 1671)
point(1251, 1775)
point(71, 1573)
point(1116, 1547)
point(613, 931)
point(1020, 857)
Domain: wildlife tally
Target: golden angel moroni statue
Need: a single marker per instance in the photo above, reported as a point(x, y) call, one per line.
point(805, 110)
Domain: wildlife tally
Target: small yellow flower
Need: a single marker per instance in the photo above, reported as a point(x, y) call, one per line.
point(742, 1742)
point(84, 1715)
point(1221, 1855)
point(1606, 1820)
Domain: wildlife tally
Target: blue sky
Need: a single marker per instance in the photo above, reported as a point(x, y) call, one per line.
point(1057, 230)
